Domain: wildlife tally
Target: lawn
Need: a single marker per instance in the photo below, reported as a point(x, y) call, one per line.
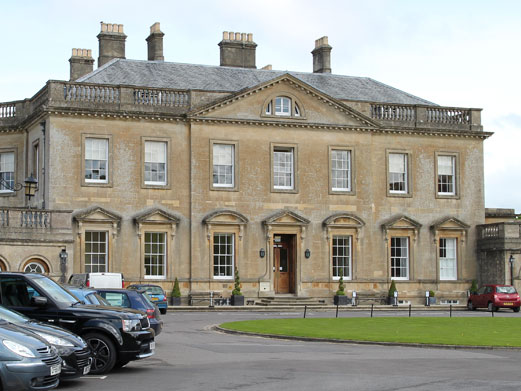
point(446, 331)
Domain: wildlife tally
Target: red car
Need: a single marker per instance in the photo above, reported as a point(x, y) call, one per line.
point(495, 297)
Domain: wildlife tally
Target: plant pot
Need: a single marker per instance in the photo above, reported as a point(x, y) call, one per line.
point(432, 300)
point(175, 300)
point(391, 300)
point(340, 300)
point(237, 300)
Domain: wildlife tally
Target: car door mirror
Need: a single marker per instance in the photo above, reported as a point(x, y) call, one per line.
point(39, 301)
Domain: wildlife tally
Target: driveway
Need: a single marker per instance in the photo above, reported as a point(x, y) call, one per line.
point(191, 356)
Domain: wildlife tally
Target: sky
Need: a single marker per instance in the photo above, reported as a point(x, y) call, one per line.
point(454, 53)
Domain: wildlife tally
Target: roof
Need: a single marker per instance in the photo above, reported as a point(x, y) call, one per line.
point(160, 74)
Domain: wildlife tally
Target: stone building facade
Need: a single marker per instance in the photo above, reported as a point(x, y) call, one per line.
point(162, 170)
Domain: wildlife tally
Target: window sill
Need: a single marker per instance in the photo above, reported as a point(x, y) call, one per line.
point(96, 184)
point(399, 195)
point(447, 196)
point(223, 188)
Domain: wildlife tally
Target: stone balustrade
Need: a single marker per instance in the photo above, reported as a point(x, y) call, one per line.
point(499, 235)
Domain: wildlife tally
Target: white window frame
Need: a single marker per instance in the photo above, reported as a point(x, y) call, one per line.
point(391, 175)
point(158, 258)
point(216, 155)
point(224, 256)
point(452, 175)
point(283, 106)
point(92, 254)
point(401, 258)
point(6, 168)
point(151, 156)
point(106, 143)
point(347, 255)
point(287, 166)
point(345, 170)
point(448, 259)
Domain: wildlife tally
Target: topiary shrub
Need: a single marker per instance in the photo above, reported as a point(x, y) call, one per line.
point(176, 292)
point(392, 289)
point(473, 287)
point(340, 291)
point(237, 288)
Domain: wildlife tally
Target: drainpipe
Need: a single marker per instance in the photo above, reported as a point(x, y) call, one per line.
point(44, 166)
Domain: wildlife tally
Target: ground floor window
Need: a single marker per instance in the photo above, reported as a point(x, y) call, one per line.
point(400, 258)
point(223, 255)
point(155, 255)
point(96, 251)
point(448, 259)
point(342, 256)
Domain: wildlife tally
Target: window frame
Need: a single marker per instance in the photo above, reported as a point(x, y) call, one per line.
point(233, 253)
point(455, 157)
point(350, 256)
point(106, 253)
point(94, 182)
point(408, 177)
point(235, 167)
point(351, 188)
point(164, 255)
point(168, 173)
point(14, 151)
point(288, 147)
point(296, 110)
point(408, 258)
point(454, 277)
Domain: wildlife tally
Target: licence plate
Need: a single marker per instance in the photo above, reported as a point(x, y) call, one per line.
point(56, 369)
point(152, 345)
point(508, 303)
point(154, 298)
point(86, 370)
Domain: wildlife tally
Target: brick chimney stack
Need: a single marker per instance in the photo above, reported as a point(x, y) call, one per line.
point(81, 63)
point(155, 43)
point(111, 42)
point(322, 56)
point(237, 50)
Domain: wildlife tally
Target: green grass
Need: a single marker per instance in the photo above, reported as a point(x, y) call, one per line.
point(445, 331)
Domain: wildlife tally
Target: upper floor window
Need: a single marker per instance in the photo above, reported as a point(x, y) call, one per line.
point(96, 160)
point(283, 168)
point(223, 165)
point(6, 172)
point(398, 173)
point(155, 162)
point(340, 170)
point(446, 174)
point(283, 106)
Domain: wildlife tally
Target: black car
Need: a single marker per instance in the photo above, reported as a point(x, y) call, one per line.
point(115, 336)
point(74, 351)
point(134, 299)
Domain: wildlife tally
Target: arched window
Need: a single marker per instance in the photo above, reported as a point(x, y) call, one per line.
point(35, 266)
point(283, 106)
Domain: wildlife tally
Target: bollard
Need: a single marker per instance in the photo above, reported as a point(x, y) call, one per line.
point(372, 305)
point(492, 312)
point(410, 306)
point(305, 309)
point(211, 299)
point(337, 311)
point(451, 310)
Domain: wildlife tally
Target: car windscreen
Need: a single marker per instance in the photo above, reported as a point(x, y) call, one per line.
point(55, 291)
point(94, 298)
point(153, 290)
point(12, 316)
point(505, 289)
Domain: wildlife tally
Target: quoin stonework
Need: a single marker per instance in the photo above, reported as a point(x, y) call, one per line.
point(159, 170)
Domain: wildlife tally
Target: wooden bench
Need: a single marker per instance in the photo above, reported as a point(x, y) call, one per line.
point(204, 297)
point(375, 298)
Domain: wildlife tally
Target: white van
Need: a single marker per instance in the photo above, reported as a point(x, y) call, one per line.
point(98, 280)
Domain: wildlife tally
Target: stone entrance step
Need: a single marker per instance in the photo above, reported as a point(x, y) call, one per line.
point(293, 301)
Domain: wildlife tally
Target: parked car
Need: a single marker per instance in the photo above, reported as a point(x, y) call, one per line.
point(87, 295)
point(27, 362)
point(494, 297)
point(114, 335)
point(137, 300)
point(155, 292)
point(73, 350)
point(97, 280)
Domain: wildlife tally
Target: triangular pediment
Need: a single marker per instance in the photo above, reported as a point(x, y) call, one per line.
point(316, 107)
point(97, 214)
point(286, 217)
point(450, 223)
point(156, 216)
point(401, 222)
point(230, 217)
point(345, 220)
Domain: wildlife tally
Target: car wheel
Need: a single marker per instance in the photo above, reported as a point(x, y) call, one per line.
point(162, 310)
point(470, 306)
point(103, 353)
point(491, 307)
point(516, 309)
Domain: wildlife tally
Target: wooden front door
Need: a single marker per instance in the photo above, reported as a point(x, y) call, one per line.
point(283, 263)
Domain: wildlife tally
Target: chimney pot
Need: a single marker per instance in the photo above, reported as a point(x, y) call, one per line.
point(237, 50)
point(226, 36)
point(81, 63)
point(111, 42)
point(155, 43)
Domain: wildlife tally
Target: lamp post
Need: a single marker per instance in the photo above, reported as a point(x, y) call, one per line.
point(63, 264)
point(30, 185)
point(511, 261)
